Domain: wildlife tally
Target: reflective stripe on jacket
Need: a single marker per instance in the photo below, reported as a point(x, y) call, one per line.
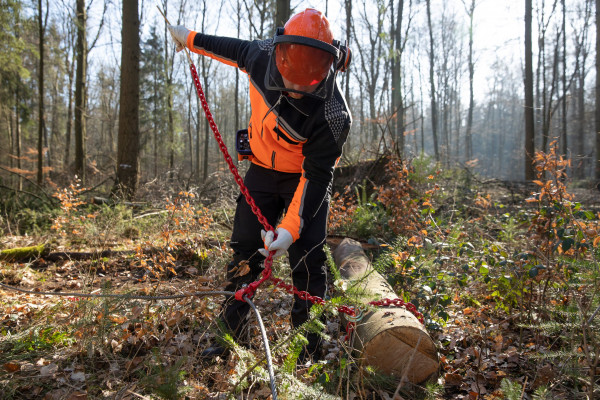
point(289, 135)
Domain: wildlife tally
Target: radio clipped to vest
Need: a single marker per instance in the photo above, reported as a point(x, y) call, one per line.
point(242, 145)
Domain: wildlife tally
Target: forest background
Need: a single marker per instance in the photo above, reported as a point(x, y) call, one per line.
point(469, 177)
point(409, 85)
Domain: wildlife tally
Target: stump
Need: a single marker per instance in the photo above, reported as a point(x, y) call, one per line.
point(390, 339)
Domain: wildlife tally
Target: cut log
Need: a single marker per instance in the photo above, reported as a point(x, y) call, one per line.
point(392, 340)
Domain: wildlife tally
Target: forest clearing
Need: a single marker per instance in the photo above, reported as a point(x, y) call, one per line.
point(506, 281)
point(413, 212)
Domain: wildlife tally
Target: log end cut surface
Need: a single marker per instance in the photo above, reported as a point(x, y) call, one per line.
point(393, 352)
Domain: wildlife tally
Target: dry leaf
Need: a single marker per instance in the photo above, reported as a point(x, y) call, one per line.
point(12, 367)
point(77, 396)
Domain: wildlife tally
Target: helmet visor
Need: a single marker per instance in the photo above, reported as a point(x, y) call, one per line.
point(302, 65)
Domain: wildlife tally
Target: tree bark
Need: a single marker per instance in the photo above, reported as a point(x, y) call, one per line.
point(282, 13)
point(397, 102)
point(434, 116)
point(348, 9)
point(128, 146)
point(529, 117)
point(468, 138)
point(41, 111)
point(564, 79)
point(597, 110)
point(18, 136)
point(390, 339)
point(67, 157)
point(81, 91)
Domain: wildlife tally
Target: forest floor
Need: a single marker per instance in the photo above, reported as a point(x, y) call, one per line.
point(507, 284)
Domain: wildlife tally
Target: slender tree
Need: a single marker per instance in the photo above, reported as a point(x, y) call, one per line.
point(581, 54)
point(434, 113)
point(348, 9)
point(129, 132)
point(153, 90)
point(399, 39)
point(470, 9)
point(42, 21)
point(529, 116)
point(564, 78)
point(597, 109)
point(80, 89)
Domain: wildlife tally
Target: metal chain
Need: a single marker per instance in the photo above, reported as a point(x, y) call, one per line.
point(267, 272)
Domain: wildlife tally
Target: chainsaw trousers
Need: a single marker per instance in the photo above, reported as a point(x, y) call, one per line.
point(273, 191)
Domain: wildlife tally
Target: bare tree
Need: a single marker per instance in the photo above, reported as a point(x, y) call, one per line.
point(128, 146)
point(581, 55)
point(168, 72)
point(82, 50)
point(564, 78)
point(597, 110)
point(42, 22)
point(399, 39)
point(80, 88)
point(529, 116)
point(434, 112)
point(70, 37)
point(470, 9)
point(348, 9)
point(264, 10)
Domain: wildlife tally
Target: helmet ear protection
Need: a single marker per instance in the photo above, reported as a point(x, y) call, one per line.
point(346, 56)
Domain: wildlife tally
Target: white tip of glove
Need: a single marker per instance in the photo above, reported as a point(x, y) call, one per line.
point(179, 33)
point(264, 252)
point(281, 244)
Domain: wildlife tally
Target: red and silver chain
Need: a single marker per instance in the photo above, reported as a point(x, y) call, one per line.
point(267, 273)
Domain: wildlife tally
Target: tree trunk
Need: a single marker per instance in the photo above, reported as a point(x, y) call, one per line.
point(348, 9)
point(69, 126)
point(189, 127)
point(468, 139)
point(397, 104)
point(18, 139)
point(581, 156)
point(236, 95)
point(168, 70)
point(390, 339)
point(282, 13)
point(206, 125)
point(128, 147)
point(80, 91)
point(434, 116)
point(597, 110)
point(41, 111)
point(564, 79)
point(529, 121)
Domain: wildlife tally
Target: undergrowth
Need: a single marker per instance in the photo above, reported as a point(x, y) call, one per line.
point(509, 293)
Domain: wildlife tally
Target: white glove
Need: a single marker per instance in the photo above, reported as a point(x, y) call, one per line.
point(179, 33)
point(283, 242)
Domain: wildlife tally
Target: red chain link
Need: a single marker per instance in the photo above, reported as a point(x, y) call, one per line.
point(267, 273)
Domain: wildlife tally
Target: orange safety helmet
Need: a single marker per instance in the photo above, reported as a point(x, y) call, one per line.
point(299, 63)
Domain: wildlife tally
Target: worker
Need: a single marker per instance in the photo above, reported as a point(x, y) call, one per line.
point(299, 122)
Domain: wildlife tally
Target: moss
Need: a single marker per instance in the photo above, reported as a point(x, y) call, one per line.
point(22, 253)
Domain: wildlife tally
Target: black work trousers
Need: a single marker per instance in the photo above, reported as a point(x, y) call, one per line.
point(273, 191)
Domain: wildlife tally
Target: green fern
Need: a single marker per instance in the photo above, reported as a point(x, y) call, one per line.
point(512, 390)
point(296, 345)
